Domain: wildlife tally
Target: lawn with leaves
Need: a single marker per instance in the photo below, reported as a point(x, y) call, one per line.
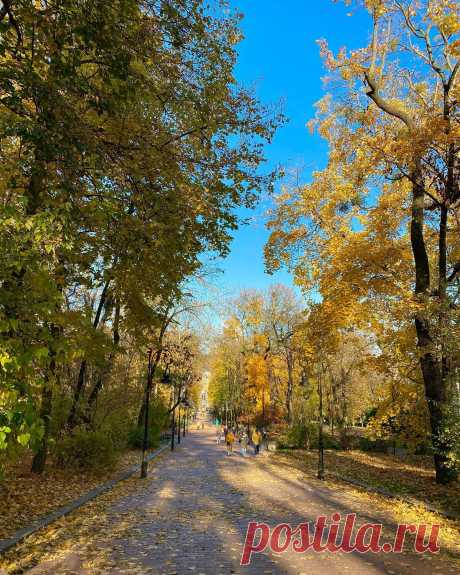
point(409, 475)
point(25, 496)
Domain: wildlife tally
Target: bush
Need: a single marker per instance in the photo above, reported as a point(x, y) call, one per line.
point(86, 449)
point(116, 426)
point(330, 442)
point(423, 449)
point(311, 435)
point(373, 445)
point(299, 436)
point(348, 439)
point(136, 437)
point(159, 419)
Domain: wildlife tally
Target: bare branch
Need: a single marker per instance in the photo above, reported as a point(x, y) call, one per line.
point(453, 75)
point(425, 36)
point(454, 273)
point(6, 9)
point(387, 107)
point(183, 135)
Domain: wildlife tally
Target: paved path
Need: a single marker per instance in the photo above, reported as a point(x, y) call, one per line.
point(191, 515)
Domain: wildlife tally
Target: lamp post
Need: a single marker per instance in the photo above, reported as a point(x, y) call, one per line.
point(173, 424)
point(178, 423)
point(186, 405)
point(173, 431)
point(145, 442)
point(181, 418)
point(320, 430)
point(188, 416)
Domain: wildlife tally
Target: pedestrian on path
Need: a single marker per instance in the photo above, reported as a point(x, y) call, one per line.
point(218, 435)
point(256, 439)
point(244, 444)
point(229, 440)
point(264, 438)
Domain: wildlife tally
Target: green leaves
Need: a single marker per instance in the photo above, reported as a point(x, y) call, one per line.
point(4, 431)
point(125, 147)
point(23, 439)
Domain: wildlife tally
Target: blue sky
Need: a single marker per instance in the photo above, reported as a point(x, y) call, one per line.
point(280, 58)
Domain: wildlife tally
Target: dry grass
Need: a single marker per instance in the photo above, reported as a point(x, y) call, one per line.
point(25, 496)
point(411, 475)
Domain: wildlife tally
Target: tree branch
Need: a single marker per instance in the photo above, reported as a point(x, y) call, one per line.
point(6, 9)
point(454, 273)
point(391, 109)
point(452, 76)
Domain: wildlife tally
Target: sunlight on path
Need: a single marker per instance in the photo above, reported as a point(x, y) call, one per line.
point(191, 516)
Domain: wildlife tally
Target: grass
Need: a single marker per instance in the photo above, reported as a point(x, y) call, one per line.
point(25, 496)
point(409, 475)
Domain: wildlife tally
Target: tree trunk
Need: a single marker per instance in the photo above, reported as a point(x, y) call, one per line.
point(79, 388)
point(153, 384)
point(178, 424)
point(39, 460)
point(290, 385)
point(343, 381)
point(145, 442)
point(333, 418)
point(92, 398)
point(431, 365)
point(173, 420)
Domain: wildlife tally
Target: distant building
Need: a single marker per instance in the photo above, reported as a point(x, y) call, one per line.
point(204, 392)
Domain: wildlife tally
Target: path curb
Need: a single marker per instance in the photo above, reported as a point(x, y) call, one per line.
point(21, 534)
point(405, 499)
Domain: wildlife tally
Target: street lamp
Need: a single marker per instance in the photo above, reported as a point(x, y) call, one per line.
point(186, 405)
point(189, 414)
point(181, 420)
point(178, 422)
point(173, 422)
point(320, 429)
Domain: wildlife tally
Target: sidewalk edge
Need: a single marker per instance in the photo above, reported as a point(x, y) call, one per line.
point(21, 534)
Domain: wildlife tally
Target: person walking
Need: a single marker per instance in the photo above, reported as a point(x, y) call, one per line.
point(218, 435)
point(256, 439)
point(244, 444)
point(264, 438)
point(229, 440)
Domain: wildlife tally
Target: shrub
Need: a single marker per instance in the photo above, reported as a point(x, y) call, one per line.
point(116, 426)
point(136, 437)
point(311, 435)
point(299, 436)
point(423, 449)
point(330, 442)
point(374, 445)
point(348, 439)
point(86, 450)
point(158, 418)
point(296, 436)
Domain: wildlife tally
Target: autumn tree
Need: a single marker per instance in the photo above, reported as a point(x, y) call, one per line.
point(126, 144)
point(256, 362)
point(382, 217)
point(282, 316)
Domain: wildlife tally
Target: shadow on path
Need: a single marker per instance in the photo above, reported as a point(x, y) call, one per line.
point(191, 516)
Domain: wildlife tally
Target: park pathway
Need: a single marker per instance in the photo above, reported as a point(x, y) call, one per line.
point(190, 517)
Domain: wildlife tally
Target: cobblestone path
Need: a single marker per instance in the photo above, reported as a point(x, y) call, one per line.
point(191, 515)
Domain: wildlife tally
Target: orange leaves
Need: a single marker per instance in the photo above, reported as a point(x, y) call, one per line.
point(256, 369)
